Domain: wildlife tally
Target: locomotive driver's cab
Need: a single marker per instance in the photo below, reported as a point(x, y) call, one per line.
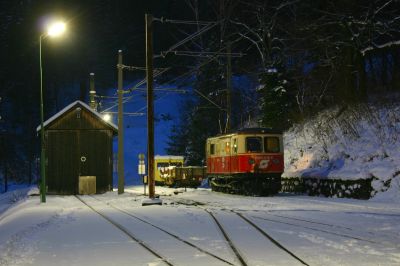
point(268, 144)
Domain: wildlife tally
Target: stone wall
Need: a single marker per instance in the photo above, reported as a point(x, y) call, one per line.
point(313, 186)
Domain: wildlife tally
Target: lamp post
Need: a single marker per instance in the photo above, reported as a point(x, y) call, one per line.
point(54, 30)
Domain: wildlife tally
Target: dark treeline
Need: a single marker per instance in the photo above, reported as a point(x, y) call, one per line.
point(300, 57)
point(305, 55)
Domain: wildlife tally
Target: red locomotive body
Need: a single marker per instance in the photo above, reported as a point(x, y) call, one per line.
point(248, 161)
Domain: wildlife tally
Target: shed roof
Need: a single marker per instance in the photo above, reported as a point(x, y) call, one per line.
point(69, 107)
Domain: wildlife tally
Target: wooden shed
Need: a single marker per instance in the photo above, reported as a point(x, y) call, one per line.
point(78, 144)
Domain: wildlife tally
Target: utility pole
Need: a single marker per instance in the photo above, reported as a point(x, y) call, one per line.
point(228, 87)
point(42, 146)
point(92, 93)
point(150, 107)
point(121, 178)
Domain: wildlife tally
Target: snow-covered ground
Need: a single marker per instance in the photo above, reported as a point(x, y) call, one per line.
point(353, 142)
point(281, 230)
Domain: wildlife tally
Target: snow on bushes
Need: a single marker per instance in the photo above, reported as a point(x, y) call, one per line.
point(347, 143)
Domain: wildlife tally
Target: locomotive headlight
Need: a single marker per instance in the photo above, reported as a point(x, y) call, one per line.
point(252, 161)
point(276, 161)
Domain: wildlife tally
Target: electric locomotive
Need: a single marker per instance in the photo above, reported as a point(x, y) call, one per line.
point(248, 161)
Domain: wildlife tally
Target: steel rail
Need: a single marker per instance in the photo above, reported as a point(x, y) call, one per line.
point(279, 245)
point(308, 221)
point(275, 242)
point(324, 224)
point(165, 231)
point(341, 234)
point(227, 238)
point(317, 229)
point(126, 231)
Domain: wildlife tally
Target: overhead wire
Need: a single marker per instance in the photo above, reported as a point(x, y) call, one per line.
point(190, 37)
point(187, 22)
point(205, 54)
point(211, 56)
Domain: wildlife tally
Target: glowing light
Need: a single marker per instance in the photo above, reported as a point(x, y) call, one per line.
point(107, 117)
point(56, 29)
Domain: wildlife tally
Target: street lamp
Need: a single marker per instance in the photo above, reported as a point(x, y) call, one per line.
point(107, 117)
point(53, 30)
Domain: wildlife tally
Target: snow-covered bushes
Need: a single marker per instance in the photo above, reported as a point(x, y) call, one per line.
point(347, 142)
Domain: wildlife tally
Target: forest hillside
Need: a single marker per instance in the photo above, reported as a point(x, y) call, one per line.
point(349, 142)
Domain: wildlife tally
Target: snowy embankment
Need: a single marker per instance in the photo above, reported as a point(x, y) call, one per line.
point(355, 142)
point(17, 194)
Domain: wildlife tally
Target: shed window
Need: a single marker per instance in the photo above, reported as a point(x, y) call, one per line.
point(253, 144)
point(212, 149)
point(271, 144)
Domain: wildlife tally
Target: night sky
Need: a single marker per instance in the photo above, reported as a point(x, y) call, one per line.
point(297, 58)
point(96, 30)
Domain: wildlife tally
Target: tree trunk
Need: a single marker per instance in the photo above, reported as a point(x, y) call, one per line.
point(5, 177)
point(372, 72)
point(395, 82)
point(361, 77)
point(384, 69)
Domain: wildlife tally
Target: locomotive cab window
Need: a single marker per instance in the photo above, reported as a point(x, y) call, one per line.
point(227, 147)
point(271, 144)
point(235, 146)
point(253, 144)
point(212, 149)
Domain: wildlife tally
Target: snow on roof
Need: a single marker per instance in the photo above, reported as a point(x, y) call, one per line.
point(169, 157)
point(68, 107)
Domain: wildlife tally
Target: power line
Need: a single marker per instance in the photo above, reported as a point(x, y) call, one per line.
point(116, 104)
point(208, 99)
point(187, 22)
point(144, 107)
point(108, 97)
point(190, 37)
point(164, 89)
point(126, 113)
point(127, 99)
point(210, 55)
point(205, 54)
point(133, 68)
point(171, 81)
point(143, 81)
point(210, 59)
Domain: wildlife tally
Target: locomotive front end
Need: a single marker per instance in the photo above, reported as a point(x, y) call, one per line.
point(249, 161)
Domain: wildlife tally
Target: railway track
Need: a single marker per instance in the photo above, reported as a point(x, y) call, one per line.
point(316, 229)
point(382, 240)
point(311, 222)
point(339, 230)
point(351, 206)
point(242, 256)
point(128, 233)
point(165, 231)
point(228, 239)
point(236, 250)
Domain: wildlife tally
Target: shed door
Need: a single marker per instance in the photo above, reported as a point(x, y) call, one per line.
point(94, 158)
point(62, 167)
